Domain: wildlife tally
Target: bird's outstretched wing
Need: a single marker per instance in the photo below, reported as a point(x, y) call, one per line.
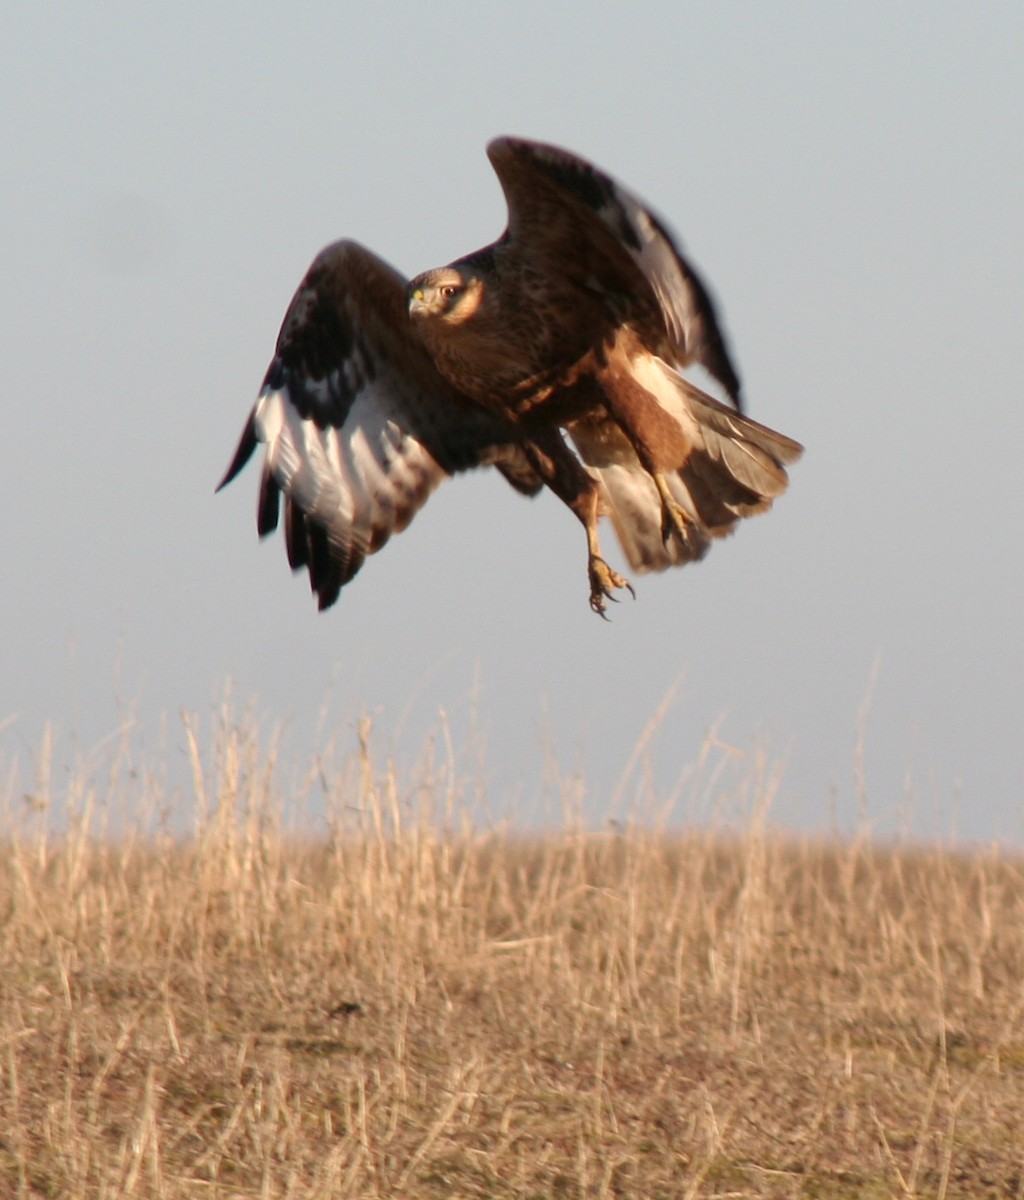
point(568, 218)
point(358, 425)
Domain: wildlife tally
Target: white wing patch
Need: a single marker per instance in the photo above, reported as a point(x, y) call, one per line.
point(355, 485)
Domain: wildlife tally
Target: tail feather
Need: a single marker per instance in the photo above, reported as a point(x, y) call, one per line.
point(749, 453)
point(736, 468)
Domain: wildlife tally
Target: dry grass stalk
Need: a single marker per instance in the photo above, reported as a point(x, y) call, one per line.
point(412, 1008)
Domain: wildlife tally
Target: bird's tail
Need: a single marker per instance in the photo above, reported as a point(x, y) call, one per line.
point(734, 469)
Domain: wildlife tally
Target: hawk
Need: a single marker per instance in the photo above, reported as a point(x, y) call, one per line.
point(554, 355)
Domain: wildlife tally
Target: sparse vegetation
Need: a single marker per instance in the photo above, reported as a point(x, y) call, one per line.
point(413, 1007)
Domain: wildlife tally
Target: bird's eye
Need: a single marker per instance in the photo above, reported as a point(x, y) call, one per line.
point(448, 290)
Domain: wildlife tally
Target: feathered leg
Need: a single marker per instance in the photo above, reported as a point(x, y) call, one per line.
point(630, 388)
point(563, 473)
point(707, 465)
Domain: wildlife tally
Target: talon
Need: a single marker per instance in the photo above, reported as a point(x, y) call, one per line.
point(674, 521)
point(603, 582)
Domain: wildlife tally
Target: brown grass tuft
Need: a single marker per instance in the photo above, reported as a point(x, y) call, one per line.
point(410, 1007)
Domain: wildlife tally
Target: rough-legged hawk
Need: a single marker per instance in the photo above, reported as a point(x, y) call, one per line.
point(577, 321)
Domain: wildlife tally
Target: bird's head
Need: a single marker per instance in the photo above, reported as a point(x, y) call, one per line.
point(448, 294)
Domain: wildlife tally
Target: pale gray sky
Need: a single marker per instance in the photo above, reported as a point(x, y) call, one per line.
point(848, 177)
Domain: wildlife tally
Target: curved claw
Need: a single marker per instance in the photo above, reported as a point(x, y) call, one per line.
point(603, 581)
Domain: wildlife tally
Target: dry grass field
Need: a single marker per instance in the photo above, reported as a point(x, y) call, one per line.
point(409, 1006)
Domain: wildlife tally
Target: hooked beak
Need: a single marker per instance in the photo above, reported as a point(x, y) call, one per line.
point(417, 303)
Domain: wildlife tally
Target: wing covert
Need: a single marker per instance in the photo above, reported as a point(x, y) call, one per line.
point(641, 257)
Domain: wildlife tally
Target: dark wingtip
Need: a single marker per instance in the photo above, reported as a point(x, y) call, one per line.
point(327, 598)
point(499, 145)
point(246, 445)
point(722, 368)
point(268, 510)
point(738, 400)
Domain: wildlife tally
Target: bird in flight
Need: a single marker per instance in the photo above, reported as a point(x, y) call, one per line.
point(555, 355)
